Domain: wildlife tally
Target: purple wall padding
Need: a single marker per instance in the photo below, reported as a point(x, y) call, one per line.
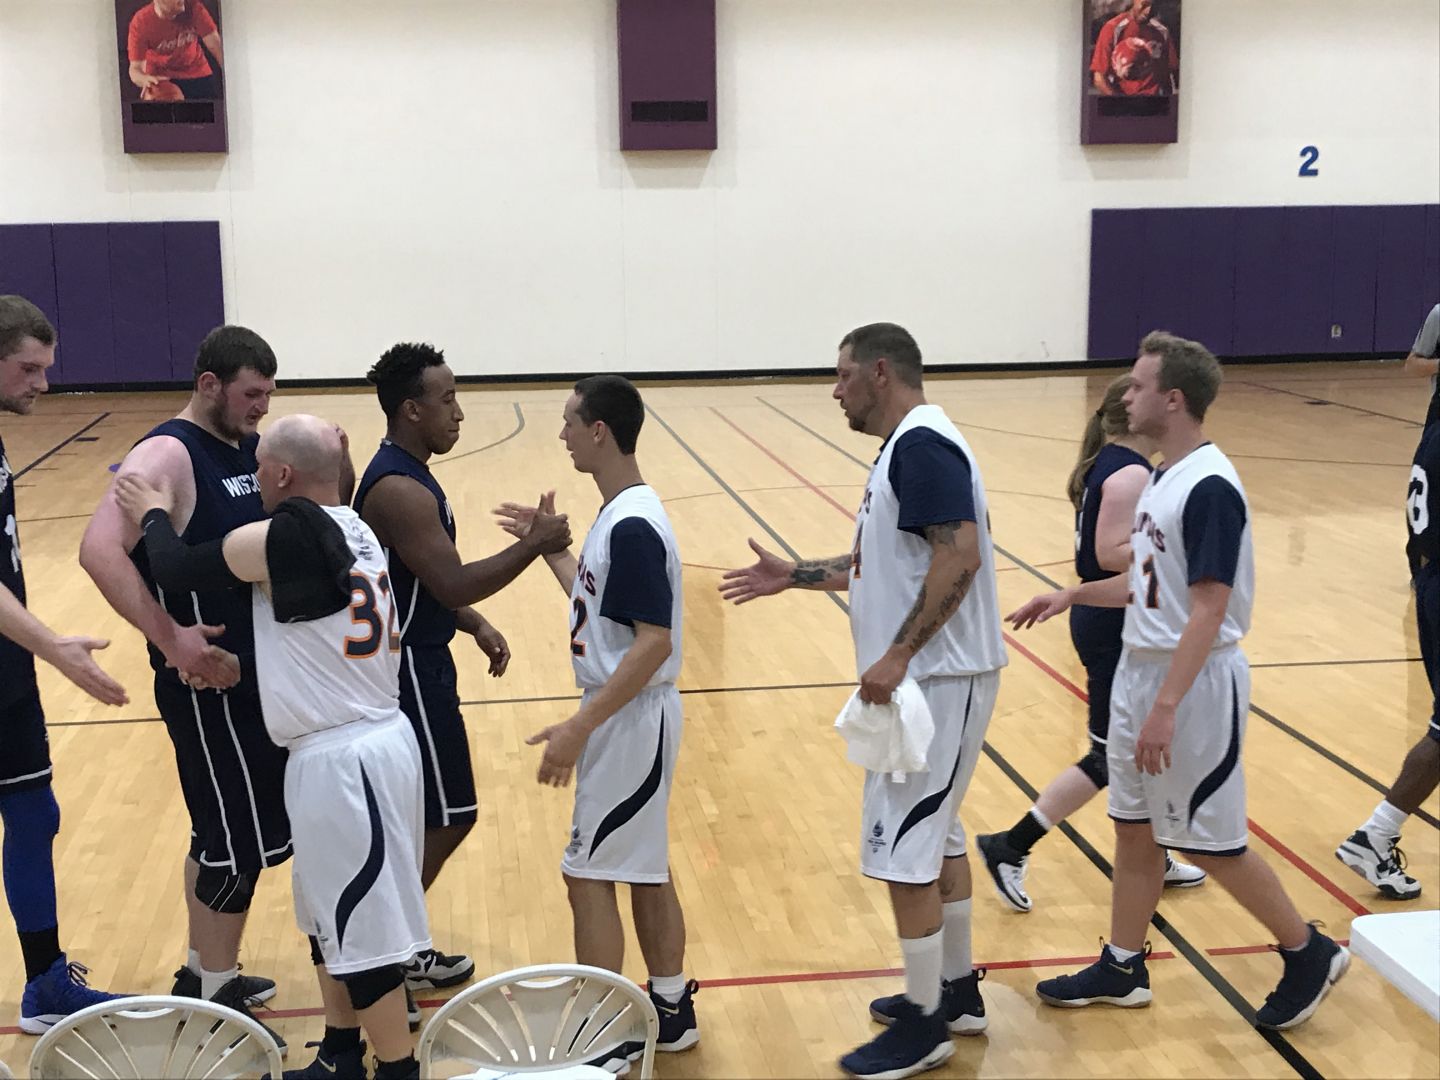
point(1401, 307)
point(27, 268)
point(667, 74)
point(137, 289)
point(1117, 266)
point(82, 285)
point(1354, 280)
point(195, 299)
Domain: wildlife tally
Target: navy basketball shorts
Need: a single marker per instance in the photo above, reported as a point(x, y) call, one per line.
point(24, 745)
point(1095, 633)
point(1427, 619)
point(431, 701)
point(231, 775)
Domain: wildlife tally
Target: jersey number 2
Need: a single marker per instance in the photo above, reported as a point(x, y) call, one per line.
point(363, 613)
point(577, 648)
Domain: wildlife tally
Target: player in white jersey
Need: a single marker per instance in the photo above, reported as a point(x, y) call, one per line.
point(921, 578)
point(328, 661)
point(1181, 696)
point(621, 745)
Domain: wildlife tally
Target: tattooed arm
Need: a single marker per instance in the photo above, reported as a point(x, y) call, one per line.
point(954, 562)
point(827, 575)
point(772, 574)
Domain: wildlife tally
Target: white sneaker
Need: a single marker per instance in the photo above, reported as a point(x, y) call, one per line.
point(1007, 869)
point(1380, 862)
point(1181, 875)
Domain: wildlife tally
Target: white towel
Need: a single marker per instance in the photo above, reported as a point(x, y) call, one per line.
point(893, 738)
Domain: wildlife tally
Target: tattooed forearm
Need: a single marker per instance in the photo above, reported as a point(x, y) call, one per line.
point(911, 619)
point(948, 606)
point(819, 571)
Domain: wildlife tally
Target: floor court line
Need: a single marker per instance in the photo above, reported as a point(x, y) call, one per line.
point(59, 446)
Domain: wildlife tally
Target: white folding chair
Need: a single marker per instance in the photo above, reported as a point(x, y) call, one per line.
point(155, 1037)
point(5, 1073)
point(546, 1018)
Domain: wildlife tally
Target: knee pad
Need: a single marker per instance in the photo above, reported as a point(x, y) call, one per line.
point(316, 956)
point(368, 987)
point(33, 813)
point(1095, 767)
point(223, 892)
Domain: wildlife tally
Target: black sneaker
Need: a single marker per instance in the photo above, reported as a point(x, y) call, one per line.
point(617, 1061)
point(258, 989)
point(679, 1029)
point(960, 1004)
point(431, 970)
point(1007, 869)
point(344, 1065)
point(1105, 982)
point(233, 995)
point(913, 1043)
point(1309, 974)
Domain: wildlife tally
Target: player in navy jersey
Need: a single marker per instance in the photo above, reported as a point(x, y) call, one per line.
point(923, 605)
point(54, 987)
point(1373, 850)
point(1104, 487)
point(400, 499)
point(1181, 697)
point(202, 650)
point(621, 744)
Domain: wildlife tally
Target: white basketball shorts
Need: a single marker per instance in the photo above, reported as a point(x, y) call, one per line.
point(907, 828)
point(1198, 804)
point(357, 810)
point(619, 831)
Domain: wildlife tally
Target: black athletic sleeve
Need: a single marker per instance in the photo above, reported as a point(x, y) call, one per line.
point(931, 478)
point(638, 586)
point(1213, 521)
point(181, 567)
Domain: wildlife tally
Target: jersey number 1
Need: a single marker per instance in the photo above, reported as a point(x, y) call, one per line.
point(363, 613)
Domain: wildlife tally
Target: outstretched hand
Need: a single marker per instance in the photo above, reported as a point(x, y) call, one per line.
point(769, 575)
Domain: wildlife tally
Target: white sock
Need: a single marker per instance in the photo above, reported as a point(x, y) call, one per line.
point(1309, 937)
point(956, 930)
point(1386, 822)
point(1040, 819)
point(669, 987)
point(1123, 954)
point(212, 981)
point(923, 959)
point(193, 961)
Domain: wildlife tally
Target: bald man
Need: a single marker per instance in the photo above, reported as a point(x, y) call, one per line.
point(328, 659)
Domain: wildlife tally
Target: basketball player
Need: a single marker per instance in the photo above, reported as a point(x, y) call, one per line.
point(1134, 54)
point(328, 658)
point(1182, 692)
point(54, 988)
point(621, 744)
point(231, 774)
point(923, 604)
point(1373, 850)
point(401, 500)
point(1104, 487)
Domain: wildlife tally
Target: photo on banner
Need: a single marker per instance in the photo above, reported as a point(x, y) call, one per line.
point(1133, 48)
point(172, 75)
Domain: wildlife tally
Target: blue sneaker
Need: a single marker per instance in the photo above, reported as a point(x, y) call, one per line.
point(679, 1030)
point(913, 1043)
point(56, 993)
point(1309, 974)
point(960, 1005)
point(1105, 982)
point(344, 1065)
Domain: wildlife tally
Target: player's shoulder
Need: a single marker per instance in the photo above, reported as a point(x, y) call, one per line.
point(158, 456)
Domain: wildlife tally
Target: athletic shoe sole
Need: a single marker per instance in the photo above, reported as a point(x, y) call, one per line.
point(964, 1025)
point(1135, 999)
point(38, 1025)
point(685, 1042)
point(932, 1060)
point(1339, 964)
point(1186, 884)
point(1012, 902)
point(439, 982)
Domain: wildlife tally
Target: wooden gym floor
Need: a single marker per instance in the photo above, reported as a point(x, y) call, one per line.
point(788, 940)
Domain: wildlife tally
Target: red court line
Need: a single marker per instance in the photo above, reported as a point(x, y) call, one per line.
point(1283, 851)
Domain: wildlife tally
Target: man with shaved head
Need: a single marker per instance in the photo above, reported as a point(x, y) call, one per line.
point(328, 658)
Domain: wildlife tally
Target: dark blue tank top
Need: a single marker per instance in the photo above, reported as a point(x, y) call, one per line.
point(226, 497)
point(1422, 501)
point(1111, 459)
point(17, 667)
point(424, 621)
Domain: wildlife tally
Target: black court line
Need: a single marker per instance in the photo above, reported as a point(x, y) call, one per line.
point(1336, 663)
point(1293, 1057)
point(58, 517)
point(60, 446)
point(519, 427)
point(1338, 404)
point(1305, 740)
point(1319, 461)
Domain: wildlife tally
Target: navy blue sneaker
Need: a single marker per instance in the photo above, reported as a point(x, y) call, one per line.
point(342, 1065)
point(1309, 974)
point(960, 1005)
point(679, 1029)
point(1105, 982)
point(913, 1043)
point(258, 989)
point(55, 993)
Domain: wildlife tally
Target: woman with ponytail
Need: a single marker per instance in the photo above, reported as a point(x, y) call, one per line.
point(1105, 486)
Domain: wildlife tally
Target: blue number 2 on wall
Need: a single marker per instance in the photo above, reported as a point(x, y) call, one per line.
point(1309, 155)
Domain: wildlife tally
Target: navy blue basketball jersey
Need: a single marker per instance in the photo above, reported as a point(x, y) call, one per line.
point(1111, 459)
point(227, 496)
point(1422, 501)
point(424, 621)
point(17, 667)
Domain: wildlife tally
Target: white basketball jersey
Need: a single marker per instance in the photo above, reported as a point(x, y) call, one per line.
point(597, 644)
point(889, 566)
point(331, 671)
point(1159, 606)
